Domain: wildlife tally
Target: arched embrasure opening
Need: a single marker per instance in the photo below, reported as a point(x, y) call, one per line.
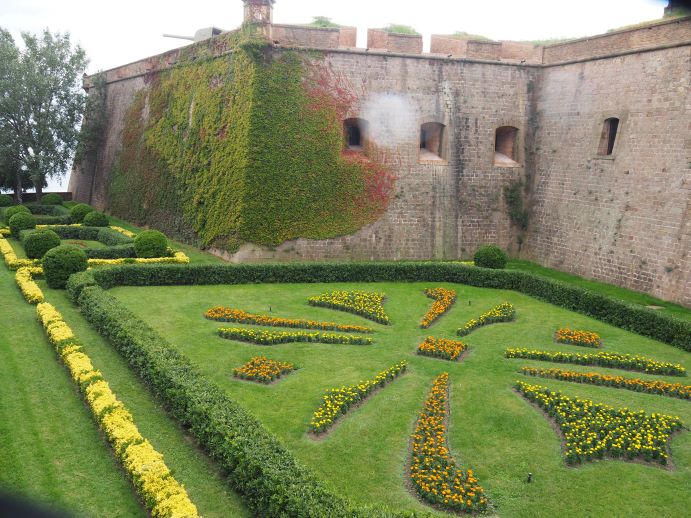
point(354, 134)
point(432, 141)
point(608, 136)
point(505, 154)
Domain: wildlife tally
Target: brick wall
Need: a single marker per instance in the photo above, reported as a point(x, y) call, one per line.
point(401, 43)
point(668, 32)
point(623, 219)
point(319, 37)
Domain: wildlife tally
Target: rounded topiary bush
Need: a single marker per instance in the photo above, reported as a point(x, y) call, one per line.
point(6, 200)
point(21, 221)
point(150, 243)
point(61, 262)
point(78, 212)
point(15, 210)
point(490, 256)
point(95, 219)
point(38, 243)
point(52, 198)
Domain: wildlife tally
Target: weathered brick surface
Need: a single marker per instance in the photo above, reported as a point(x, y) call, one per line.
point(319, 37)
point(624, 219)
point(400, 43)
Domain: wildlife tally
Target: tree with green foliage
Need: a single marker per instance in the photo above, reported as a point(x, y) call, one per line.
point(323, 22)
point(41, 103)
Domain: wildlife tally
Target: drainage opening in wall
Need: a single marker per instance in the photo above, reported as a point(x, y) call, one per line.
point(432, 136)
point(505, 147)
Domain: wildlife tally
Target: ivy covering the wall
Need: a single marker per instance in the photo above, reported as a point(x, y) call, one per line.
point(245, 147)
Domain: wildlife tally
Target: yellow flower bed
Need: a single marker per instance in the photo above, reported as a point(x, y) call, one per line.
point(578, 337)
point(25, 280)
point(224, 314)
point(163, 495)
point(365, 304)
point(441, 348)
point(263, 369)
point(602, 359)
point(338, 401)
point(177, 257)
point(502, 313)
point(662, 388)
point(593, 431)
point(10, 257)
point(123, 231)
point(433, 472)
point(4, 231)
point(443, 300)
point(263, 337)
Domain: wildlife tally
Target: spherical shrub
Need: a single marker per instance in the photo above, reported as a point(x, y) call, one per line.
point(6, 200)
point(21, 221)
point(52, 198)
point(15, 210)
point(38, 243)
point(490, 256)
point(95, 219)
point(78, 212)
point(61, 262)
point(150, 243)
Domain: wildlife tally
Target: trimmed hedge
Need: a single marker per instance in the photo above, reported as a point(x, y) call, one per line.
point(151, 243)
point(111, 252)
point(257, 465)
point(110, 237)
point(47, 210)
point(52, 198)
point(21, 221)
point(96, 219)
point(79, 211)
point(621, 314)
point(37, 243)
point(61, 262)
point(15, 209)
point(490, 256)
point(6, 200)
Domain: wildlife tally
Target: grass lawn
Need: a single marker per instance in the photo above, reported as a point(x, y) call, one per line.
point(492, 430)
point(634, 297)
point(50, 447)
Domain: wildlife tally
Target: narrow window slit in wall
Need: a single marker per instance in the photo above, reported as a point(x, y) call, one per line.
point(432, 141)
point(354, 134)
point(505, 154)
point(608, 136)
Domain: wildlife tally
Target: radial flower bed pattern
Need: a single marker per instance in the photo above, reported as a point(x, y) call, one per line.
point(441, 348)
point(443, 300)
point(578, 337)
point(223, 314)
point(338, 401)
point(363, 303)
point(434, 474)
point(662, 388)
point(593, 431)
point(602, 359)
point(264, 337)
point(263, 369)
point(502, 313)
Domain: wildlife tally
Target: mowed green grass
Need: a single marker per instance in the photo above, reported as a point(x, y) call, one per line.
point(492, 429)
point(51, 450)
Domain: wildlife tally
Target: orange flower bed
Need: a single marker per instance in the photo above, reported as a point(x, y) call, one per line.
point(224, 314)
point(441, 348)
point(662, 388)
point(577, 337)
point(263, 370)
point(433, 471)
point(443, 300)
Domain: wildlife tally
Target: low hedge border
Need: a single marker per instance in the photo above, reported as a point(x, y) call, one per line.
point(270, 479)
point(618, 313)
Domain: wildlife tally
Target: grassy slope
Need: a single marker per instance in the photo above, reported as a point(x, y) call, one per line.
point(50, 447)
point(192, 469)
point(493, 430)
point(634, 297)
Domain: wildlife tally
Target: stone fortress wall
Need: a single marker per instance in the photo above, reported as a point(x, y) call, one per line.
point(622, 218)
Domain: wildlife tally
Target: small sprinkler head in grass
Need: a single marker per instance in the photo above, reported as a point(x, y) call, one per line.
point(530, 478)
point(469, 302)
point(269, 309)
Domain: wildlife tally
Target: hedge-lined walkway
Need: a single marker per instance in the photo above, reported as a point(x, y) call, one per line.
point(50, 447)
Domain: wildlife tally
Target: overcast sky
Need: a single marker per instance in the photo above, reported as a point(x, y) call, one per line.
point(121, 31)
